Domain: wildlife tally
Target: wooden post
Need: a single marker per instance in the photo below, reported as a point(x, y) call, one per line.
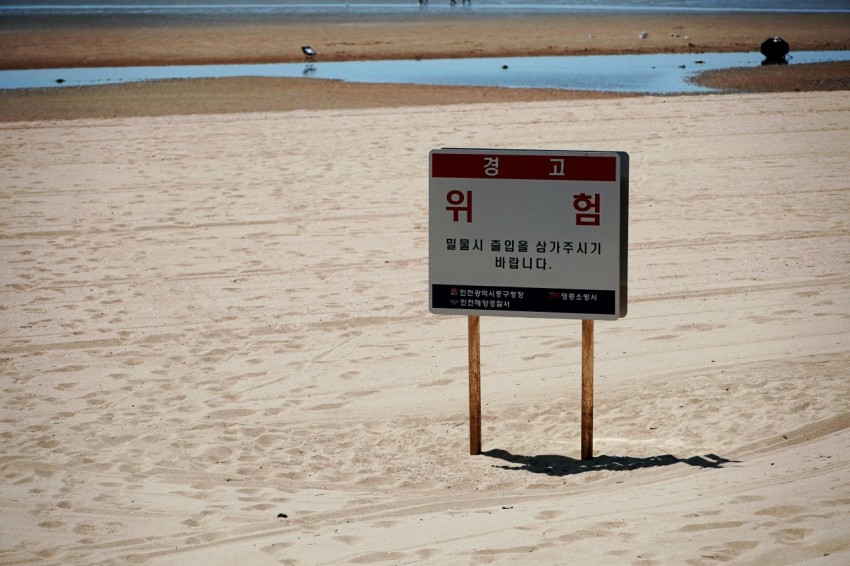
point(474, 386)
point(586, 389)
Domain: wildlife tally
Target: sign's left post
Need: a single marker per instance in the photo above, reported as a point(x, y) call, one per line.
point(474, 324)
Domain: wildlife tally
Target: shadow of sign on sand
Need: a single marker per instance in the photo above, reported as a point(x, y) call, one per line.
point(554, 465)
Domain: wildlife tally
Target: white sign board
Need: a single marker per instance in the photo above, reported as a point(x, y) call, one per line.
point(528, 233)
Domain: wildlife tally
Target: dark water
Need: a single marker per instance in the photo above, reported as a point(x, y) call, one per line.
point(398, 7)
point(655, 74)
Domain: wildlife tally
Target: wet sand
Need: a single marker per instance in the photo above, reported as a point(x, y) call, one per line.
point(144, 40)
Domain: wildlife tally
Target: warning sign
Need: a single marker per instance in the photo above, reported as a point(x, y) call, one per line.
point(528, 233)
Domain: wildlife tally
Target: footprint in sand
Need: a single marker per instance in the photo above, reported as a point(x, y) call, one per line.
point(696, 527)
point(781, 511)
point(548, 515)
point(746, 499)
point(349, 540)
point(791, 536)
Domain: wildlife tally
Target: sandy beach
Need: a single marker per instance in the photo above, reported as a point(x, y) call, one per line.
point(216, 345)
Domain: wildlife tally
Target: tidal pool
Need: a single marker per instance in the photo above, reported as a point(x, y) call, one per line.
point(652, 74)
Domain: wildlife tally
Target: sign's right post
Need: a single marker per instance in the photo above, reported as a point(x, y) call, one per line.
point(587, 389)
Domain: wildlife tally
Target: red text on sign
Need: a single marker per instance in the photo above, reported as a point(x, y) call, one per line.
point(456, 198)
point(587, 208)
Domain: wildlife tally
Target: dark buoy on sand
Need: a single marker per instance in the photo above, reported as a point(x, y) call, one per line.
point(774, 50)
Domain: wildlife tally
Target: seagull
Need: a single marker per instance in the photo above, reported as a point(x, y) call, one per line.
point(309, 52)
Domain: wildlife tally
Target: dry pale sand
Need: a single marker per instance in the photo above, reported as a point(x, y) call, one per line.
point(216, 347)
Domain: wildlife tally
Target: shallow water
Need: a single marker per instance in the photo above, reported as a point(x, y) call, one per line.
point(653, 74)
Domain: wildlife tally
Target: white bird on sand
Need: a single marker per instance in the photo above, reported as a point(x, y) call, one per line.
point(309, 52)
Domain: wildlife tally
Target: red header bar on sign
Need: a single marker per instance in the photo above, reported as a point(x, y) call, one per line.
point(552, 167)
